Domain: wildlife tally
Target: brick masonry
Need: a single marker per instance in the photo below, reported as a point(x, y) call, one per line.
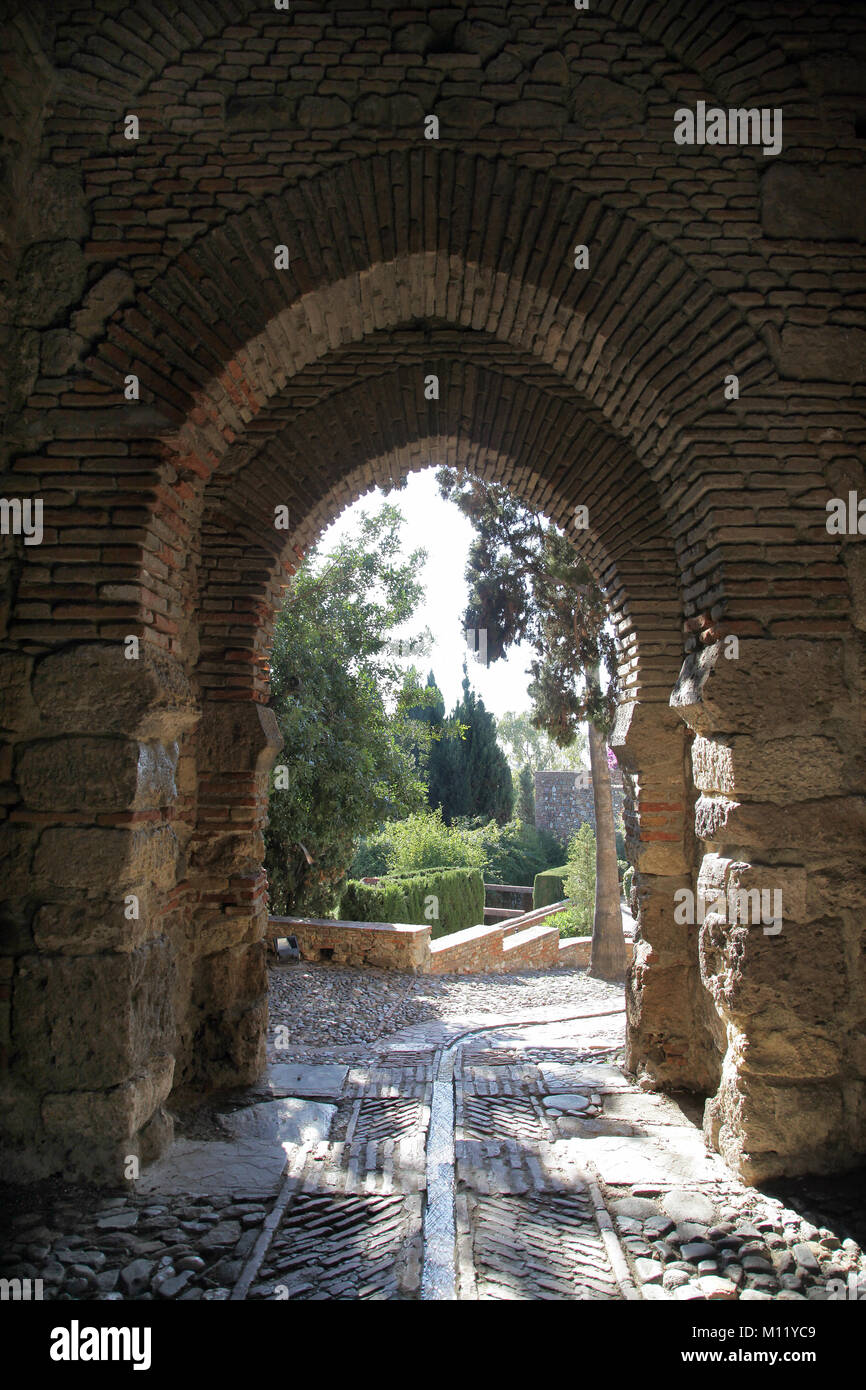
point(303, 388)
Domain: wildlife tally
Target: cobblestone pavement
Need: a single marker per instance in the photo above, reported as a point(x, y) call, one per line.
point(569, 1182)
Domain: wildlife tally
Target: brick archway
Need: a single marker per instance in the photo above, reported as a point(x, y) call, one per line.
point(304, 386)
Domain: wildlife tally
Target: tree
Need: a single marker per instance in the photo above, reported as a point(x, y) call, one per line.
point(523, 743)
point(469, 774)
point(341, 698)
point(526, 795)
point(528, 583)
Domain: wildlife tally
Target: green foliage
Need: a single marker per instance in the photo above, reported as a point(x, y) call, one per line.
point(580, 879)
point(373, 902)
point(527, 583)
point(627, 881)
point(449, 899)
point(523, 743)
point(566, 924)
point(516, 852)
point(424, 841)
point(526, 796)
point(340, 698)
point(371, 855)
point(549, 886)
point(469, 774)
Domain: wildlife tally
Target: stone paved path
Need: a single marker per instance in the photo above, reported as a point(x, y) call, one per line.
point(562, 1180)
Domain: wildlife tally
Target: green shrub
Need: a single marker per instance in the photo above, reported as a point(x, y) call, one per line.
point(424, 841)
point(580, 878)
point(627, 880)
point(448, 898)
point(549, 886)
point(567, 924)
point(372, 902)
point(371, 856)
point(517, 852)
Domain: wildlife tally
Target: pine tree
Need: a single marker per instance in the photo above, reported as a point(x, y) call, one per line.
point(468, 773)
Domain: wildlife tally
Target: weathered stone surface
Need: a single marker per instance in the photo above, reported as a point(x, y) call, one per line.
point(823, 353)
point(116, 287)
point(688, 1206)
point(390, 113)
point(238, 734)
point(598, 101)
point(69, 856)
point(100, 774)
point(94, 686)
point(51, 997)
point(51, 277)
point(82, 928)
point(413, 38)
point(57, 205)
point(323, 113)
point(60, 351)
point(287, 1121)
point(531, 115)
point(773, 770)
point(813, 204)
point(464, 113)
point(479, 36)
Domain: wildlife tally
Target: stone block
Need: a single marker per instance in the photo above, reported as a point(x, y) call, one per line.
point(825, 352)
point(17, 714)
point(238, 736)
point(796, 979)
point(773, 688)
point(96, 774)
point(79, 857)
point(115, 288)
point(51, 276)
point(117, 1113)
point(56, 205)
point(94, 925)
point(92, 1022)
point(768, 770)
point(814, 204)
point(600, 101)
point(93, 686)
point(821, 827)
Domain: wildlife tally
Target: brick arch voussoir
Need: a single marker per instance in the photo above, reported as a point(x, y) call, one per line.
point(707, 40)
point(558, 459)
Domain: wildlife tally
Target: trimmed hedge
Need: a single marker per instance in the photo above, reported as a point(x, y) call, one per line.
point(549, 887)
point(402, 897)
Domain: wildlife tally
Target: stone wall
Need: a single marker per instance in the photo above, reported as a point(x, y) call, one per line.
point(739, 616)
point(563, 801)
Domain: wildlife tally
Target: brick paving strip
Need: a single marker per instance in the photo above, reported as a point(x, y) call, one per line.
point(439, 1276)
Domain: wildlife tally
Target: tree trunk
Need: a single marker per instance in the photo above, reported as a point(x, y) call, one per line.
point(608, 960)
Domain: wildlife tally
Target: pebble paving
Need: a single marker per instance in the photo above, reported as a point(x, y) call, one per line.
point(566, 1181)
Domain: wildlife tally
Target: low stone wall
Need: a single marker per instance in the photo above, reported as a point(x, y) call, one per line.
point(471, 952)
point(495, 949)
point(386, 945)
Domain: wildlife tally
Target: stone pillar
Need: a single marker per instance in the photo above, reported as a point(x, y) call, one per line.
point(89, 955)
point(775, 718)
point(670, 1040)
point(222, 1033)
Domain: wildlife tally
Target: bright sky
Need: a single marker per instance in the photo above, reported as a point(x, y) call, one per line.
point(441, 529)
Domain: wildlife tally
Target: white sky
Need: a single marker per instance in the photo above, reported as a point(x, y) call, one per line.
point(442, 530)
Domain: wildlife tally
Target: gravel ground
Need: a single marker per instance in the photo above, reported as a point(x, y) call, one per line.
point(324, 1005)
